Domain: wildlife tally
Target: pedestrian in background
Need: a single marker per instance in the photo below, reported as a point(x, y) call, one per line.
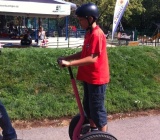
point(42, 40)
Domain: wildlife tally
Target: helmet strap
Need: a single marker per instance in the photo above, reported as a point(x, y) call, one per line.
point(90, 25)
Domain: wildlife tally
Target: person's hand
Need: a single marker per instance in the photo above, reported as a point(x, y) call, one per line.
point(65, 63)
point(59, 60)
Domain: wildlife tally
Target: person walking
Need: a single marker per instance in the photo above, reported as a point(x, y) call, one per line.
point(93, 66)
point(8, 131)
point(42, 41)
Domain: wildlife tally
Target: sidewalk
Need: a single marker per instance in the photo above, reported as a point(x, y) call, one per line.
point(54, 42)
point(136, 128)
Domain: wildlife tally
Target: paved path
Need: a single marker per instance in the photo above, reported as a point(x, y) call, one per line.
point(54, 42)
point(140, 128)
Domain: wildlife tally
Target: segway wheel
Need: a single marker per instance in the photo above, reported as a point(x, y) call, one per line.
point(85, 128)
point(98, 135)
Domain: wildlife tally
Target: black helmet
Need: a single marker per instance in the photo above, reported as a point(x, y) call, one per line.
point(87, 10)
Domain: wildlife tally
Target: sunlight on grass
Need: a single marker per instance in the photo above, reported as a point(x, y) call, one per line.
point(32, 85)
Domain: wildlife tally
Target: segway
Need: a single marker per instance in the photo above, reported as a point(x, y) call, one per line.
point(79, 128)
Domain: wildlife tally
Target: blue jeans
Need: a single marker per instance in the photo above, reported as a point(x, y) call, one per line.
point(7, 130)
point(93, 103)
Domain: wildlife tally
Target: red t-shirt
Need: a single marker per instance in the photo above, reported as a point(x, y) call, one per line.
point(98, 72)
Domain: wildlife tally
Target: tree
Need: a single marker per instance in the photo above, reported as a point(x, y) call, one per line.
point(106, 9)
point(151, 14)
point(134, 9)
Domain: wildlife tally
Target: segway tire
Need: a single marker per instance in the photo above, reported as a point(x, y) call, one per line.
point(85, 128)
point(98, 135)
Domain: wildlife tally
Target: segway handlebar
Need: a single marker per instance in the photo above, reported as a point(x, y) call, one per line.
point(69, 69)
point(70, 72)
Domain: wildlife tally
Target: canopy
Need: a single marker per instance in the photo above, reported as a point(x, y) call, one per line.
point(36, 8)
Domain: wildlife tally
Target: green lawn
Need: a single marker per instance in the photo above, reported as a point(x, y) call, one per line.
point(32, 86)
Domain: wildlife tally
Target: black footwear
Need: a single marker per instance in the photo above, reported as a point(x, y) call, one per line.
point(12, 139)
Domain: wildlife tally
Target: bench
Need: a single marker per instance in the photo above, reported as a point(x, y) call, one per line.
point(123, 37)
point(133, 43)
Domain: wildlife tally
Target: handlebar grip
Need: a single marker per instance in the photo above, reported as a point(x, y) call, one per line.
point(69, 69)
point(58, 61)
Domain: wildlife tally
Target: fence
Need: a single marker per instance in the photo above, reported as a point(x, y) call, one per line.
point(149, 40)
point(143, 38)
point(62, 42)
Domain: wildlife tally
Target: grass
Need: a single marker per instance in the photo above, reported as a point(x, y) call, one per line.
point(32, 86)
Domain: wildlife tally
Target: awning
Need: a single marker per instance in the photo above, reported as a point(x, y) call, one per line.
point(36, 8)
